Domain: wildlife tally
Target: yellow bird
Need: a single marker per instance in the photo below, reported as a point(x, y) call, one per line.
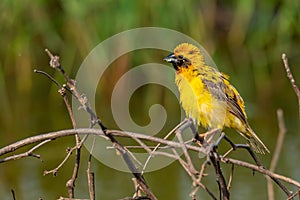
point(207, 97)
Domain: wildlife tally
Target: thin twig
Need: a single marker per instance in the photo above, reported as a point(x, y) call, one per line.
point(151, 138)
point(48, 76)
point(295, 194)
point(199, 179)
point(55, 63)
point(57, 134)
point(257, 161)
point(88, 131)
point(292, 80)
point(69, 152)
point(197, 183)
point(137, 192)
point(144, 146)
point(261, 170)
point(13, 194)
point(230, 177)
point(242, 146)
point(278, 147)
point(186, 120)
point(214, 158)
point(185, 152)
point(27, 153)
point(92, 186)
point(184, 164)
point(71, 182)
point(90, 175)
point(82, 99)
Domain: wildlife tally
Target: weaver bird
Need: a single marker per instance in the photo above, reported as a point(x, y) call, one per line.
point(207, 97)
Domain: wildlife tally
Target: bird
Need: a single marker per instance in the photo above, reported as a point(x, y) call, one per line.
point(207, 97)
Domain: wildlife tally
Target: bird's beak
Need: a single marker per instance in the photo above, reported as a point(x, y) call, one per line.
point(171, 58)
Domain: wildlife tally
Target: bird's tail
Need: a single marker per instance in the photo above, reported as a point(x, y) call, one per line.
point(256, 144)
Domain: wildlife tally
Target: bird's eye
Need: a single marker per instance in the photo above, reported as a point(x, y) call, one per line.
point(180, 56)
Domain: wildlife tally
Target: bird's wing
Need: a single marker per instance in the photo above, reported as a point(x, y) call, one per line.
point(219, 87)
point(234, 101)
point(215, 88)
point(213, 82)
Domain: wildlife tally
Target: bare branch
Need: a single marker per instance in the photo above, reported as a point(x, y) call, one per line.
point(295, 194)
point(27, 153)
point(86, 131)
point(198, 183)
point(91, 183)
point(203, 145)
point(90, 175)
point(274, 161)
point(69, 152)
point(261, 170)
point(186, 120)
point(48, 76)
point(71, 182)
point(13, 194)
point(185, 152)
point(292, 80)
point(55, 63)
point(230, 177)
point(214, 158)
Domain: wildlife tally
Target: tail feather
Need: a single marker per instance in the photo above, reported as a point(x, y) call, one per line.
point(256, 144)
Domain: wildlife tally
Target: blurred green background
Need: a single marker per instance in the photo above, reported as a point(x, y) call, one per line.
point(245, 38)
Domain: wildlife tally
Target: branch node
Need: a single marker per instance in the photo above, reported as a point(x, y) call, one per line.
point(54, 60)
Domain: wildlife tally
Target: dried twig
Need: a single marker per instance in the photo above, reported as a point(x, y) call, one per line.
point(13, 194)
point(215, 160)
point(194, 179)
point(69, 153)
point(87, 131)
point(185, 121)
point(90, 175)
point(230, 177)
point(55, 63)
point(206, 147)
point(185, 152)
point(292, 80)
point(295, 194)
point(198, 183)
point(261, 170)
point(71, 182)
point(257, 161)
point(278, 147)
point(27, 153)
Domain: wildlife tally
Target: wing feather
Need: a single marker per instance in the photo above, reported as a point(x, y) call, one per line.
point(220, 88)
point(235, 103)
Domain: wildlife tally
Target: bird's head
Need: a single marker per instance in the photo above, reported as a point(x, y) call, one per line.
point(185, 55)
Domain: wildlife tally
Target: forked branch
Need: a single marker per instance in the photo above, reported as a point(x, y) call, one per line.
point(193, 167)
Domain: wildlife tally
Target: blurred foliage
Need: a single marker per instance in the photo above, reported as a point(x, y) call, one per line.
point(245, 38)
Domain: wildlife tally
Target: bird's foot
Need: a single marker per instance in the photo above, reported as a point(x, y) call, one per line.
point(204, 139)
